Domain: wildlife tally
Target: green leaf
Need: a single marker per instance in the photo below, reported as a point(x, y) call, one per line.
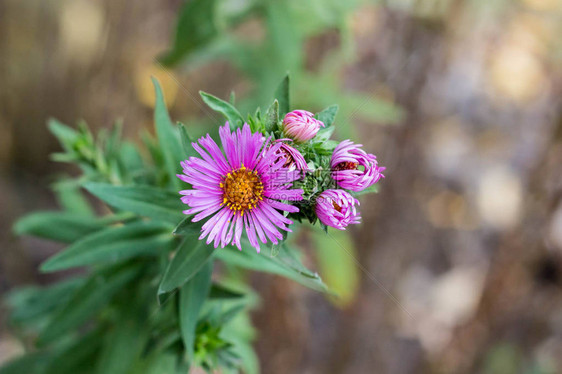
point(248, 356)
point(220, 292)
point(168, 137)
point(130, 158)
point(186, 227)
point(324, 134)
point(191, 255)
point(113, 244)
point(272, 116)
point(192, 297)
point(335, 253)
point(196, 27)
point(282, 95)
point(143, 200)
point(232, 114)
point(328, 115)
point(372, 189)
point(71, 198)
point(33, 363)
point(122, 346)
point(77, 357)
point(30, 303)
point(59, 226)
point(66, 135)
point(186, 141)
point(284, 264)
point(86, 301)
point(240, 333)
point(160, 363)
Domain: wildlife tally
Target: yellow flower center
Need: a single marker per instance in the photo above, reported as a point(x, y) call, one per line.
point(243, 190)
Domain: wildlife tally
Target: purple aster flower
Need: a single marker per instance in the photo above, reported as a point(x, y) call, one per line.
point(353, 168)
point(336, 208)
point(301, 125)
point(294, 159)
point(241, 190)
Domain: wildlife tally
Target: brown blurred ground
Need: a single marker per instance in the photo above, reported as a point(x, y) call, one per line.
point(466, 232)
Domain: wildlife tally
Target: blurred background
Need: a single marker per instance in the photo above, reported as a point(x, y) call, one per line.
point(457, 267)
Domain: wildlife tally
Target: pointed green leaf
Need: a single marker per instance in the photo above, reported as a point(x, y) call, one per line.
point(186, 141)
point(168, 137)
point(323, 135)
point(143, 200)
point(282, 95)
point(113, 244)
point(272, 116)
point(192, 297)
point(232, 114)
point(284, 264)
point(66, 135)
point(191, 255)
point(86, 301)
point(328, 115)
point(220, 292)
point(59, 226)
point(196, 27)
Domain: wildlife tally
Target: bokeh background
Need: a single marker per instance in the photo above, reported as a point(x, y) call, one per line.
point(457, 267)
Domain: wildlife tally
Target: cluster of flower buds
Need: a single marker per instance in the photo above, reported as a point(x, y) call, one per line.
point(351, 168)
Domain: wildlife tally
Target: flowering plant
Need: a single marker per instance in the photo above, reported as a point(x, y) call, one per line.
point(274, 168)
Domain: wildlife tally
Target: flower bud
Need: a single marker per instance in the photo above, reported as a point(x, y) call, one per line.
point(294, 160)
point(301, 125)
point(336, 208)
point(353, 168)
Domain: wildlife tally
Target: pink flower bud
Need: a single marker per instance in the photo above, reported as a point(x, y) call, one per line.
point(336, 208)
point(301, 125)
point(294, 160)
point(353, 168)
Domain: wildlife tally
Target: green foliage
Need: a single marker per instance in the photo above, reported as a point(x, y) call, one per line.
point(93, 295)
point(33, 363)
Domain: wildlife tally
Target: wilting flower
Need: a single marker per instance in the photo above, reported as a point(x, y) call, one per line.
point(240, 190)
point(301, 125)
point(353, 168)
point(294, 159)
point(336, 208)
